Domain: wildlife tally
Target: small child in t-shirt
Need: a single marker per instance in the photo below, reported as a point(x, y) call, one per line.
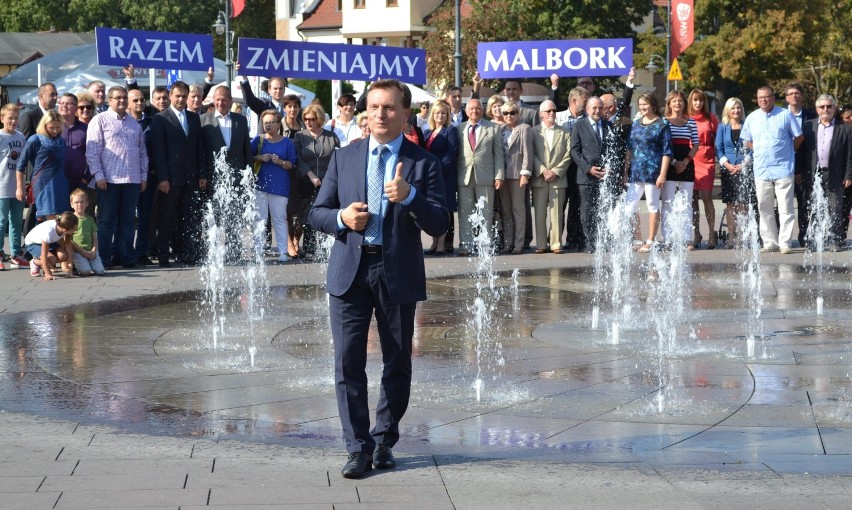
point(85, 238)
point(49, 242)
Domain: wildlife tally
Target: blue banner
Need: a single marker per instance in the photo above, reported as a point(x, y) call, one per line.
point(320, 61)
point(532, 59)
point(158, 50)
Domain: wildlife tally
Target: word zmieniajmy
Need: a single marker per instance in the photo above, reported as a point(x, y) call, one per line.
point(331, 62)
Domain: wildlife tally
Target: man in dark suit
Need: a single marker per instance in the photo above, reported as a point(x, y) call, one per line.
point(826, 154)
point(794, 94)
point(177, 150)
point(376, 198)
point(46, 101)
point(229, 131)
point(453, 96)
point(588, 142)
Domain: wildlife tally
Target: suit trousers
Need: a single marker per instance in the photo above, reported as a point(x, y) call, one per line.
point(350, 324)
point(514, 216)
point(589, 194)
point(767, 193)
point(573, 224)
point(549, 236)
point(468, 196)
point(169, 207)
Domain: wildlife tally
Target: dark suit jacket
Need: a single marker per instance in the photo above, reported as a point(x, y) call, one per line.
point(346, 182)
point(586, 152)
point(254, 103)
point(839, 154)
point(239, 152)
point(178, 157)
point(29, 121)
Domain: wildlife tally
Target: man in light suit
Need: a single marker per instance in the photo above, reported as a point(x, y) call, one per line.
point(588, 143)
point(229, 131)
point(826, 154)
point(481, 170)
point(550, 178)
point(177, 149)
point(375, 199)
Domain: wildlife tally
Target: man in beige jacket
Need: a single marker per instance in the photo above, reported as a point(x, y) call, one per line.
point(551, 146)
point(481, 168)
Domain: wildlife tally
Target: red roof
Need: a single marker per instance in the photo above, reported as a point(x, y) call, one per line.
point(324, 16)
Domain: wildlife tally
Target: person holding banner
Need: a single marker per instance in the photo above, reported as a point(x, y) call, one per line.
point(481, 170)
point(276, 88)
point(377, 198)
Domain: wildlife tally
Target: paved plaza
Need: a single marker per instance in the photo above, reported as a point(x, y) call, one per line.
point(114, 393)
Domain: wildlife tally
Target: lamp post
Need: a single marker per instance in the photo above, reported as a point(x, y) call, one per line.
point(223, 26)
point(458, 56)
point(652, 68)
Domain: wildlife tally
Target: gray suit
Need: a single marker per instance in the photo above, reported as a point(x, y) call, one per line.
point(557, 158)
point(477, 170)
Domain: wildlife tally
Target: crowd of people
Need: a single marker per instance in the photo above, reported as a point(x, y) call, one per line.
point(136, 175)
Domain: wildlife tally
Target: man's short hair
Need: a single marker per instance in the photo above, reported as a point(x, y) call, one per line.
point(44, 86)
point(767, 88)
point(180, 85)
point(578, 92)
point(395, 84)
point(795, 86)
point(225, 89)
point(451, 89)
point(344, 99)
point(515, 80)
point(159, 89)
point(826, 97)
point(69, 95)
point(116, 88)
point(277, 78)
point(95, 83)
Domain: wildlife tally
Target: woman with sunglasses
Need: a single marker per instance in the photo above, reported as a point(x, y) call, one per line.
point(518, 146)
point(314, 146)
point(85, 107)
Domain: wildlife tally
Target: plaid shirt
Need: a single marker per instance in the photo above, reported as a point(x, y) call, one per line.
point(115, 149)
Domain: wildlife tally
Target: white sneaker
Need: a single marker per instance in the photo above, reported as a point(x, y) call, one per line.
point(786, 250)
point(283, 257)
point(34, 269)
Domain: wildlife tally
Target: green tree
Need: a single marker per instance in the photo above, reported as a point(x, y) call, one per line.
point(523, 20)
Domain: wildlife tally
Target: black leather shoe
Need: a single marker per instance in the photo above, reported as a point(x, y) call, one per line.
point(359, 464)
point(383, 457)
point(165, 263)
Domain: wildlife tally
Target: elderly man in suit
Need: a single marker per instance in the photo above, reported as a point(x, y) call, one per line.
point(481, 171)
point(588, 143)
point(826, 154)
point(177, 149)
point(376, 198)
point(550, 178)
point(228, 132)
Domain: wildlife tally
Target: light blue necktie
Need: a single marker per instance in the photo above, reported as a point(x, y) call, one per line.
point(375, 190)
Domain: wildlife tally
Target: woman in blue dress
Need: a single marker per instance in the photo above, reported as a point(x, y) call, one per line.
point(442, 141)
point(277, 156)
point(46, 151)
point(737, 180)
point(649, 152)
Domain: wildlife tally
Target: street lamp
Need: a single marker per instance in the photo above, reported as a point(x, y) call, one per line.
point(223, 26)
point(653, 68)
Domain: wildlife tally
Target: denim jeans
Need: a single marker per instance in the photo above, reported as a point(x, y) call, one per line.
point(116, 216)
point(11, 217)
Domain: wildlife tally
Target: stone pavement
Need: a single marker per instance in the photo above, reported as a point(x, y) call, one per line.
point(58, 452)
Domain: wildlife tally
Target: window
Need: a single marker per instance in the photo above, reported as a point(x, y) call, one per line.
point(360, 4)
point(392, 3)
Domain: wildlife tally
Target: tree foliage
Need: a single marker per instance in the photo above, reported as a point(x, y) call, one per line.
point(523, 20)
point(741, 45)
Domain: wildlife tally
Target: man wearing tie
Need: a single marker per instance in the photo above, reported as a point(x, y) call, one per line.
point(588, 141)
point(225, 130)
point(177, 151)
point(376, 198)
point(481, 169)
point(550, 178)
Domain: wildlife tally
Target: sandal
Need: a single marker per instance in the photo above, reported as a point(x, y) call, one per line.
point(647, 247)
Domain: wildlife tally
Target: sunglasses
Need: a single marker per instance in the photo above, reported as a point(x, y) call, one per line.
point(86, 107)
point(825, 106)
point(513, 112)
point(309, 119)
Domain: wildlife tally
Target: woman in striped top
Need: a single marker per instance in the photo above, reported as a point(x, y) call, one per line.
point(681, 174)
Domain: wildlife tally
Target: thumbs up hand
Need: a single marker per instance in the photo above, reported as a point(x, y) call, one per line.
point(397, 190)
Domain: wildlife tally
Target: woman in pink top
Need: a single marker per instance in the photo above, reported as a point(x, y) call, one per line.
point(705, 166)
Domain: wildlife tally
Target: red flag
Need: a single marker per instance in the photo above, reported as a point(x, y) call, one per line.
point(237, 7)
point(682, 17)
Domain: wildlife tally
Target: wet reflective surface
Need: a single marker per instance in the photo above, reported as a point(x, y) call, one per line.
point(549, 382)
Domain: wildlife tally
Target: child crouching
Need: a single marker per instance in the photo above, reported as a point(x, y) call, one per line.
point(49, 242)
point(86, 259)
